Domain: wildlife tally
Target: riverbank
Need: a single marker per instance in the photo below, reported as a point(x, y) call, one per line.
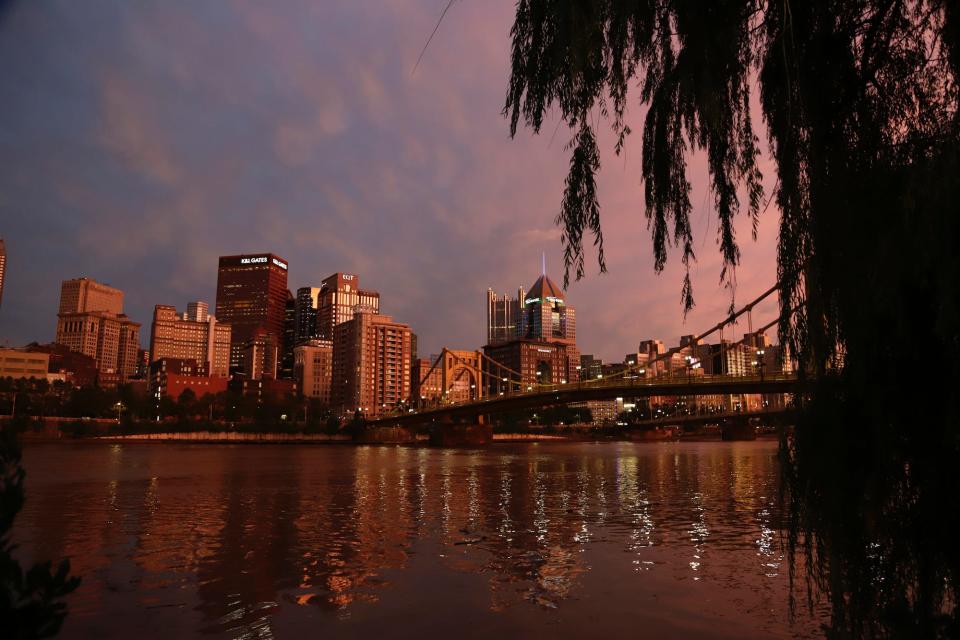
point(110, 431)
point(297, 438)
point(232, 437)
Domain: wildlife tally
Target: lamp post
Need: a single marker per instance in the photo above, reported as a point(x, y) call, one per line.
point(759, 362)
point(119, 407)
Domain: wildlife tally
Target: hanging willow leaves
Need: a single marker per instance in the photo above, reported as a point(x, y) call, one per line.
point(859, 102)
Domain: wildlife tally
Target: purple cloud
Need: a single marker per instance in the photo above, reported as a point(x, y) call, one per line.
point(145, 139)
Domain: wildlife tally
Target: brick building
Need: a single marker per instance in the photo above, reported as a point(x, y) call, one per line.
point(313, 369)
point(187, 337)
point(372, 358)
point(91, 321)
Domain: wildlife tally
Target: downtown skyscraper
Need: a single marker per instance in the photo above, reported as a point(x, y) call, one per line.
point(503, 315)
point(305, 314)
point(195, 335)
point(91, 321)
point(252, 299)
point(340, 297)
point(372, 358)
point(544, 349)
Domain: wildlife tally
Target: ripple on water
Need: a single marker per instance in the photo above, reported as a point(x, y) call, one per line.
point(246, 541)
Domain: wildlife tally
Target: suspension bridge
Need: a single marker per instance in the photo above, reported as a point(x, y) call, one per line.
point(472, 385)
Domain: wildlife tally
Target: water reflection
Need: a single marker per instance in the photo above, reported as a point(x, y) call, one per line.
point(241, 541)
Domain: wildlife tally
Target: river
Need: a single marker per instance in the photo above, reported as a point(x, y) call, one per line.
point(533, 540)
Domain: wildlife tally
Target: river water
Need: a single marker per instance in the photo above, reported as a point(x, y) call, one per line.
point(533, 540)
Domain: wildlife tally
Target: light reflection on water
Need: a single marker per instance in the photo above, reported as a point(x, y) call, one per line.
point(280, 541)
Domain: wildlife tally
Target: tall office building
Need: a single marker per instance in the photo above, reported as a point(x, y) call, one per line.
point(545, 315)
point(590, 368)
point(197, 311)
point(112, 340)
point(503, 314)
point(757, 340)
point(261, 357)
point(372, 357)
point(646, 357)
point(84, 294)
point(313, 369)
point(544, 351)
point(725, 358)
point(305, 314)
point(251, 298)
point(3, 267)
point(207, 342)
point(340, 296)
point(91, 321)
point(285, 367)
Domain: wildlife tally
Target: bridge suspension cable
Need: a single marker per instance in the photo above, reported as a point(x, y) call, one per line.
point(729, 320)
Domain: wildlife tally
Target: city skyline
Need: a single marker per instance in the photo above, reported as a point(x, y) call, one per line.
point(284, 349)
point(360, 166)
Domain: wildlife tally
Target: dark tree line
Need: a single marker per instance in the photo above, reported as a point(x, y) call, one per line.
point(859, 110)
point(28, 400)
point(31, 599)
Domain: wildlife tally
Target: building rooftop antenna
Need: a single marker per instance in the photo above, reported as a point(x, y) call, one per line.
point(543, 263)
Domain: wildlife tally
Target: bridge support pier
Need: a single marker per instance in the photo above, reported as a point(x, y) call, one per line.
point(385, 435)
point(740, 428)
point(461, 435)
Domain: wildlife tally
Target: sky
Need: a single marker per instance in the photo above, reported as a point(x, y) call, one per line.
point(141, 140)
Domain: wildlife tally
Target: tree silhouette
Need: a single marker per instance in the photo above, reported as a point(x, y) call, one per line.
point(31, 601)
point(859, 102)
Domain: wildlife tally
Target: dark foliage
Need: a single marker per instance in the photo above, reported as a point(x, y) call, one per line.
point(860, 106)
point(31, 600)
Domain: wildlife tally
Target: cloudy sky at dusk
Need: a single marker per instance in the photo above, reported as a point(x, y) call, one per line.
point(140, 140)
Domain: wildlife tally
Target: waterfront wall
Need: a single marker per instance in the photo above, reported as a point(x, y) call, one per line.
point(230, 436)
point(385, 435)
point(461, 435)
